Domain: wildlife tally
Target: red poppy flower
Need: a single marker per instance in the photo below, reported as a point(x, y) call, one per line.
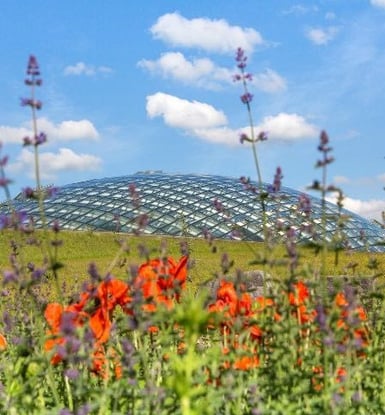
point(113, 292)
point(104, 298)
point(162, 276)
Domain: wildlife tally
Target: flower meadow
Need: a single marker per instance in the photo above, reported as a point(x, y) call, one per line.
point(154, 343)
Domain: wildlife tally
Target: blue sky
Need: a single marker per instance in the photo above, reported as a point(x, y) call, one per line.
point(131, 86)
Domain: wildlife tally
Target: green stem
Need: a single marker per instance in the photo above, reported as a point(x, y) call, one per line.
point(69, 394)
point(40, 198)
point(186, 405)
point(256, 161)
point(323, 221)
point(52, 386)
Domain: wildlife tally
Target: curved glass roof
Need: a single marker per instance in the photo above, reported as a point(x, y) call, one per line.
point(197, 205)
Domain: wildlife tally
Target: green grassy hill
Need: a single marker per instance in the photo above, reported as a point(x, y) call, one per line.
point(119, 252)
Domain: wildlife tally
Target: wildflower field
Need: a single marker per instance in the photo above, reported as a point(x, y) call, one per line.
point(118, 324)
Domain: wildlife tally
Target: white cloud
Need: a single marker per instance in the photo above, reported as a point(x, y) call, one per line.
point(361, 182)
point(81, 68)
point(201, 72)
point(379, 3)
point(287, 127)
point(269, 81)
point(222, 135)
point(203, 33)
point(54, 163)
point(204, 73)
point(195, 118)
point(322, 36)
point(13, 135)
point(181, 113)
point(68, 130)
point(207, 123)
point(370, 209)
point(64, 131)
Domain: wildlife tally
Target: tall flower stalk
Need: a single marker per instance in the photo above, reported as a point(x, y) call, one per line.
point(246, 98)
point(33, 80)
point(324, 148)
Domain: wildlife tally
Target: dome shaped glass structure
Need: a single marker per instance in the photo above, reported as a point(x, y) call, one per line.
point(197, 205)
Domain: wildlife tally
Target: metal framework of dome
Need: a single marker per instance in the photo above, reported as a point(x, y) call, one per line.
point(184, 205)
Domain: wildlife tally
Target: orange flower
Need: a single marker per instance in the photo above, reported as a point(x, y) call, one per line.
point(246, 363)
point(360, 333)
point(230, 302)
point(231, 305)
point(341, 374)
point(165, 277)
point(100, 325)
point(244, 306)
point(3, 342)
point(228, 295)
point(256, 332)
point(160, 275)
point(263, 302)
point(105, 298)
point(340, 300)
point(299, 294)
point(54, 314)
point(298, 298)
point(103, 363)
point(160, 282)
point(113, 292)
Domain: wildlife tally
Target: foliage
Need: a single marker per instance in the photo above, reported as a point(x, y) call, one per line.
point(151, 332)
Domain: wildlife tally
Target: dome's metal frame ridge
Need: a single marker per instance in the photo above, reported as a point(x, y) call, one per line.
point(183, 205)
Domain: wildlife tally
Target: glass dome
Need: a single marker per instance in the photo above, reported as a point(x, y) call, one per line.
point(198, 205)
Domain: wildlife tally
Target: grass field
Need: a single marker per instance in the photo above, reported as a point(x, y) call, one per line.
point(78, 249)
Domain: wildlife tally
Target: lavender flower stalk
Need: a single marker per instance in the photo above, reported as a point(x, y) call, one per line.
point(246, 99)
point(33, 80)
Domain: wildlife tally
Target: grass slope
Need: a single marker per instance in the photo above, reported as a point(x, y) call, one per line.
point(78, 249)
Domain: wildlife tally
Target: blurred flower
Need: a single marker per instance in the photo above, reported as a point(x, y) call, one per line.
point(276, 186)
point(241, 58)
point(3, 342)
point(246, 98)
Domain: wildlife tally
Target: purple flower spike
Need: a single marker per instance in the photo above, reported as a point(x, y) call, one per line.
point(33, 71)
point(304, 204)
point(246, 98)
point(33, 103)
point(262, 136)
point(241, 58)
point(244, 137)
point(40, 139)
point(277, 180)
point(324, 141)
point(33, 66)
point(27, 141)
